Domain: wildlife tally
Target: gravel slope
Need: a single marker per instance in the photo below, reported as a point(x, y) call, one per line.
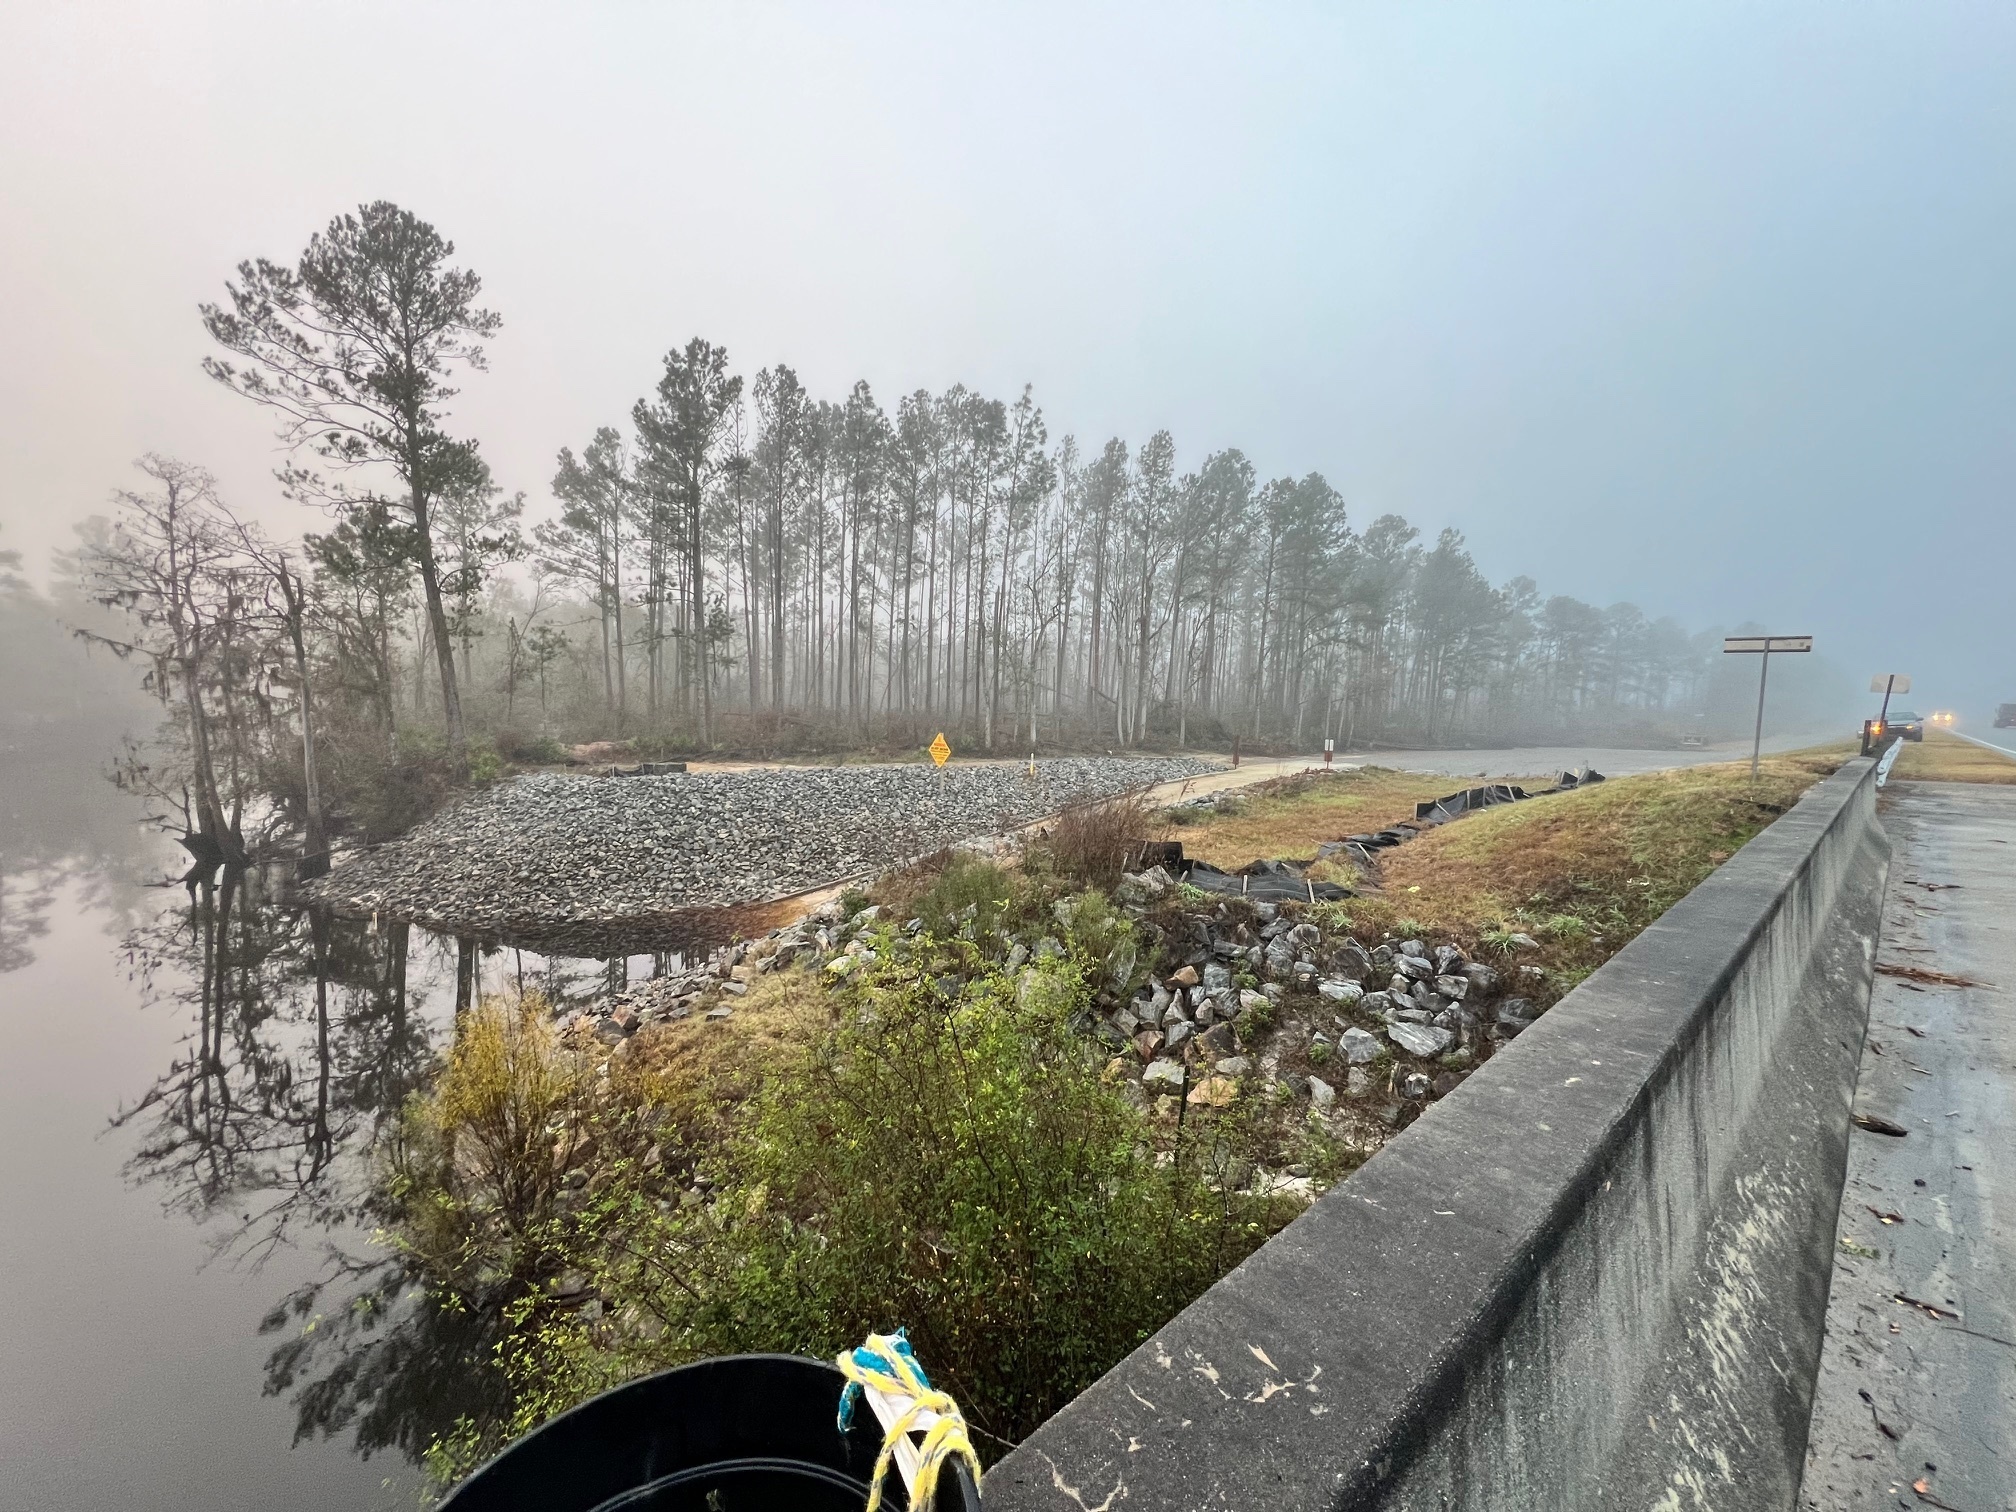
point(548, 852)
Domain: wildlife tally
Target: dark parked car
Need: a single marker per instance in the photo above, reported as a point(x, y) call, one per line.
point(1901, 722)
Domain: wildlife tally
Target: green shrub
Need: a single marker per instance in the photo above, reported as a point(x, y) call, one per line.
point(967, 883)
point(957, 1167)
point(529, 750)
point(486, 765)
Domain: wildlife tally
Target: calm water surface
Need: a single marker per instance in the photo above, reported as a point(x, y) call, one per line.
point(191, 1078)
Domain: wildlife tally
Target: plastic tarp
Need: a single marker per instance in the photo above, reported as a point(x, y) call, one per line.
point(1289, 882)
point(1442, 810)
point(1263, 881)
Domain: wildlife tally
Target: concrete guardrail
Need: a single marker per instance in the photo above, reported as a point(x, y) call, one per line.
point(1593, 1276)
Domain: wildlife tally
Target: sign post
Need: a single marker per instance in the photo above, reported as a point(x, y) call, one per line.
point(1763, 645)
point(1329, 747)
point(1885, 683)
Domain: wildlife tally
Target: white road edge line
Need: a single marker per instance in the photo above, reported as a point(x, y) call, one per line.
point(1988, 744)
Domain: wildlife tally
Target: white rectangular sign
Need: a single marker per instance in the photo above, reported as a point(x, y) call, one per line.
point(1889, 682)
point(1775, 644)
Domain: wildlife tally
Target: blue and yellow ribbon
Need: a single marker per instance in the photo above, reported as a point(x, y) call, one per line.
point(887, 1363)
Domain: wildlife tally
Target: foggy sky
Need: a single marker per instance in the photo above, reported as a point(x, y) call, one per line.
point(1708, 307)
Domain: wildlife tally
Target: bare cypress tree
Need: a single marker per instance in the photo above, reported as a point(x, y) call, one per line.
point(354, 346)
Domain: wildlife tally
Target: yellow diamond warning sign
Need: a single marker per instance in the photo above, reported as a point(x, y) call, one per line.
point(940, 752)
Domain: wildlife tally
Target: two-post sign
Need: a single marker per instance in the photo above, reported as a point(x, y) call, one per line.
point(1765, 644)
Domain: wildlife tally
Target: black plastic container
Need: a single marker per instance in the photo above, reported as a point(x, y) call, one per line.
point(745, 1433)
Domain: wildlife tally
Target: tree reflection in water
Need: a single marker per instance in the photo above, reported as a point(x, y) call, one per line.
point(304, 1042)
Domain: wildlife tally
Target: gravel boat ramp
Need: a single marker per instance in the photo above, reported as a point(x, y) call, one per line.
point(575, 865)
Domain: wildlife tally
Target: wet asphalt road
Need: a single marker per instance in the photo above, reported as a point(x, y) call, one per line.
point(1916, 1400)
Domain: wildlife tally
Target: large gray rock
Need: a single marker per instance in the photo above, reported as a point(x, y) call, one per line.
point(1321, 1094)
point(1358, 1046)
point(1346, 993)
point(1514, 1015)
point(1419, 1039)
point(1418, 968)
point(1484, 980)
point(1163, 1076)
point(1454, 988)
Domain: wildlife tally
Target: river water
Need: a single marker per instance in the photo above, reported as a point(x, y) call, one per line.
point(191, 1081)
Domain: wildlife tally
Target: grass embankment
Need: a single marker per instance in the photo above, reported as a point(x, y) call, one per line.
point(1286, 818)
point(1579, 873)
point(1943, 757)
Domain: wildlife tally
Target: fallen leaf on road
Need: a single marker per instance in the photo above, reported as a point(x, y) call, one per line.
point(1876, 1125)
point(1886, 1217)
point(1932, 1309)
point(1926, 974)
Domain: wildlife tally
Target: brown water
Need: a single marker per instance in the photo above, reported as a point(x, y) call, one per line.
point(191, 1079)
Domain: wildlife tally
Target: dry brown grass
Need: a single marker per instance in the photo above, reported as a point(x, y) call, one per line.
point(1583, 871)
point(1943, 757)
point(701, 1070)
point(1288, 817)
point(1091, 844)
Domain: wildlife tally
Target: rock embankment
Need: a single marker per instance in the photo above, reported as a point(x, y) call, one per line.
point(549, 857)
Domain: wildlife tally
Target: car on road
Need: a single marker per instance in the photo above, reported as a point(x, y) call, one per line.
point(2005, 717)
point(1899, 723)
point(1941, 718)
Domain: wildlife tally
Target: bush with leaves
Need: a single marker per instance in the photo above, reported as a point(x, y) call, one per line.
point(947, 1157)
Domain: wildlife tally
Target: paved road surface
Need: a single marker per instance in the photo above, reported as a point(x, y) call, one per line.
point(2006, 744)
point(1540, 761)
point(1503, 761)
point(1924, 1390)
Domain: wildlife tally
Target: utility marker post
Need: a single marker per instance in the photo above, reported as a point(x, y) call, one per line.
point(1763, 645)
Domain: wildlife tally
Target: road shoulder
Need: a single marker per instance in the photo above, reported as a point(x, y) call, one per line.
point(1915, 1403)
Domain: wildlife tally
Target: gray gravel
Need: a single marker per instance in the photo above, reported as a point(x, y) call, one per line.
point(549, 857)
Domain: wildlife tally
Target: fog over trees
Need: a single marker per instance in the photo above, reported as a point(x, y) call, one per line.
point(742, 564)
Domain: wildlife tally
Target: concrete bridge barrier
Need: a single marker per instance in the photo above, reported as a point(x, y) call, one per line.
point(1593, 1276)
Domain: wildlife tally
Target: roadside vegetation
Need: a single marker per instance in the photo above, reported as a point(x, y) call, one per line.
point(1944, 757)
point(927, 1138)
point(1584, 871)
point(918, 1109)
point(1289, 817)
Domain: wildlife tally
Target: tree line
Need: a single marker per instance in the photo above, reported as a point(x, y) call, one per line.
point(745, 563)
